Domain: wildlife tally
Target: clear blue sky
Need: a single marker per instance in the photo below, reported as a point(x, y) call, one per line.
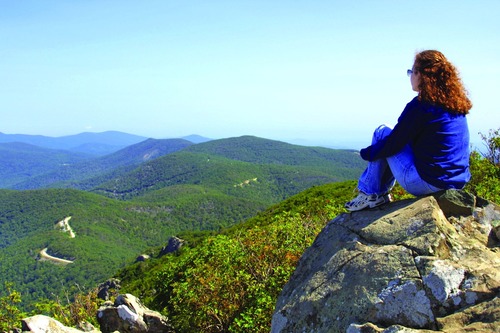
point(325, 72)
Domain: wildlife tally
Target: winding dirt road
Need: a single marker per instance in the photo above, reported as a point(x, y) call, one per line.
point(65, 227)
point(45, 256)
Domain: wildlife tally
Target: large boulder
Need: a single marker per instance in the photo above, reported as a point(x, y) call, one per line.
point(422, 265)
point(129, 315)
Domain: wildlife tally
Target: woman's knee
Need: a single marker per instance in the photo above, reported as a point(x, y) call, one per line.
point(381, 132)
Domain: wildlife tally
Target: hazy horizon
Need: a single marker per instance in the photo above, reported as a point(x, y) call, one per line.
point(356, 145)
point(321, 72)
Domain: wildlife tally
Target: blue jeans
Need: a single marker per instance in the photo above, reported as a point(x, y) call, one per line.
point(381, 175)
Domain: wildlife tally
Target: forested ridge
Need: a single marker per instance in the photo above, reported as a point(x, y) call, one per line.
point(223, 164)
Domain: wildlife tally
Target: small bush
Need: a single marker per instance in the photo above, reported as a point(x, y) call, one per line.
point(10, 315)
point(82, 309)
point(485, 180)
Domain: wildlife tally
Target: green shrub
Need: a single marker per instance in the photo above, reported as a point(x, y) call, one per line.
point(485, 169)
point(232, 283)
point(492, 144)
point(485, 178)
point(83, 308)
point(10, 314)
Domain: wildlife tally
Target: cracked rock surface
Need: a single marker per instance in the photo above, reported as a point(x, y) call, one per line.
point(423, 265)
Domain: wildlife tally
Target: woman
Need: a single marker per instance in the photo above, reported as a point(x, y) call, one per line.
point(428, 149)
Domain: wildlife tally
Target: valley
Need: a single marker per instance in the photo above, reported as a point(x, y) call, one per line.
point(112, 208)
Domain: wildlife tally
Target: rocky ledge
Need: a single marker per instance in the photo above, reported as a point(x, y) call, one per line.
point(429, 264)
point(126, 315)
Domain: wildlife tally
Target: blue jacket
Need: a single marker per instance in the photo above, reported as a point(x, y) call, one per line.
point(438, 139)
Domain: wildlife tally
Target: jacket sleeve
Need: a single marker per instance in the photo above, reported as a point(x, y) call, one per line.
point(406, 130)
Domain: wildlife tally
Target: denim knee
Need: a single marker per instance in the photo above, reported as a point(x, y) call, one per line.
point(381, 132)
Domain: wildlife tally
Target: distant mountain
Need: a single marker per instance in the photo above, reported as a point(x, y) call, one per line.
point(196, 138)
point(21, 161)
point(264, 151)
point(87, 142)
point(73, 175)
point(246, 167)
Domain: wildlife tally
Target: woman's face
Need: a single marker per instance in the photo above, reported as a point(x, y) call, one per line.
point(415, 80)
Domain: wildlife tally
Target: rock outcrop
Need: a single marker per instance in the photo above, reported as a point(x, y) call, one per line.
point(174, 244)
point(126, 315)
point(422, 265)
point(129, 315)
point(107, 288)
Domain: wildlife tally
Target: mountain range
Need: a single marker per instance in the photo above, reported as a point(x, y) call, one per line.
point(67, 174)
point(91, 143)
point(121, 204)
point(87, 142)
point(34, 161)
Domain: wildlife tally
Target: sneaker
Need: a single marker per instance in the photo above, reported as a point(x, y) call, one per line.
point(363, 201)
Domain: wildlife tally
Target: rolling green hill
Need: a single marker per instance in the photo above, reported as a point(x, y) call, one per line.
point(246, 167)
point(264, 151)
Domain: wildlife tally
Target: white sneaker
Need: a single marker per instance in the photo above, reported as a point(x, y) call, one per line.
point(363, 201)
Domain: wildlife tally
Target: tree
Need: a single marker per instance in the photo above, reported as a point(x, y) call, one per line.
point(492, 143)
point(485, 169)
point(10, 315)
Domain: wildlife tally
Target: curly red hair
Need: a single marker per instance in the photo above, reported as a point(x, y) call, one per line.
point(440, 83)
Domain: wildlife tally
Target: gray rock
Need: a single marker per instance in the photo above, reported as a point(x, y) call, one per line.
point(371, 328)
point(174, 244)
point(129, 315)
point(456, 203)
point(106, 288)
point(405, 267)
